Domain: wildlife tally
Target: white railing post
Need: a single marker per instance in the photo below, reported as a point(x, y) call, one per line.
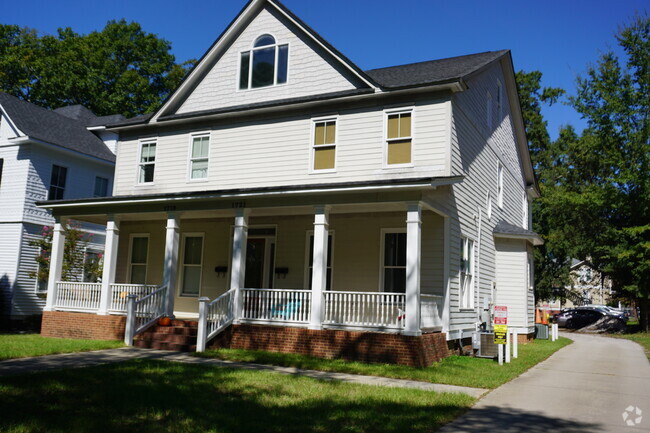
point(129, 331)
point(110, 260)
point(319, 266)
point(203, 324)
point(171, 261)
point(238, 265)
point(413, 240)
point(515, 343)
point(507, 348)
point(56, 263)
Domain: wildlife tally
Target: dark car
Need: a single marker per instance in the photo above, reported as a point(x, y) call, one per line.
point(578, 318)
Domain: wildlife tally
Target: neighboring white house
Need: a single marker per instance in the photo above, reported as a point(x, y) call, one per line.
point(44, 154)
point(281, 175)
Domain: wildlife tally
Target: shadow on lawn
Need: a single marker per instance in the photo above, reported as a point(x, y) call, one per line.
point(147, 396)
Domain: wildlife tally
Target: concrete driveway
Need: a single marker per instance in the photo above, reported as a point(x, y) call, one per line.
point(585, 387)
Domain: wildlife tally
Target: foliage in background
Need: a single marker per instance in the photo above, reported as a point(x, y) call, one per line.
point(78, 265)
point(118, 70)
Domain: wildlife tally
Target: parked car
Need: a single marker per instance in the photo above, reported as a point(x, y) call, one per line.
point(610, 309)
point(612, 312)
point(578, 318)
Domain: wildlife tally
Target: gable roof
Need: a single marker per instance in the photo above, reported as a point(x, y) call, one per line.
point(434, 71)
point(55, 128)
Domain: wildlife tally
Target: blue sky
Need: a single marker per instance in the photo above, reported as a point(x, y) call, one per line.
point(559, 38)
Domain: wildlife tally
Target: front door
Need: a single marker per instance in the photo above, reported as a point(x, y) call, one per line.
point(255, 260)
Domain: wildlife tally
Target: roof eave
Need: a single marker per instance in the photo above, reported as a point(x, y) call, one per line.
point(534, 238)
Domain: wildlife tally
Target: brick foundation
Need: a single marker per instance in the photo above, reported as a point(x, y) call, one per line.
point(350, 345)
point(63, 324)
point(525, 338)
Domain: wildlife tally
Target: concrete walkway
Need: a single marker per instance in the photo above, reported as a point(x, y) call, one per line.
point(86, 359)
point(585, 387)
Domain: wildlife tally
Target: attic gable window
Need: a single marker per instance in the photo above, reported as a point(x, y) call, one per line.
point(264, 65)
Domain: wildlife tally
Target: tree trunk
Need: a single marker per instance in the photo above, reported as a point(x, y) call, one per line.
point(643, 319)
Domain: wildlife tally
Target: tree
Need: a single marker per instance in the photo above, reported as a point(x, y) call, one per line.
point(121, 69)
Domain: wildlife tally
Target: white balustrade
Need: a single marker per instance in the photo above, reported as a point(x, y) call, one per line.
point(120, 293)
point(77, 296)
point(214, 317)
point(143, 312)
point(275, 305)
point(430, 311)
point(365, 309)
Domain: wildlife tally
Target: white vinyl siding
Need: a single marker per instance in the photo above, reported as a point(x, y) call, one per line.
point(512, 280)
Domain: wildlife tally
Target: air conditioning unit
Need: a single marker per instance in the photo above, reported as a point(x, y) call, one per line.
point(541, 331)
point(483, 343)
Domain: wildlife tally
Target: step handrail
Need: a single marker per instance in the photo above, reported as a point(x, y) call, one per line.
point(214, 317)
point(143, 312)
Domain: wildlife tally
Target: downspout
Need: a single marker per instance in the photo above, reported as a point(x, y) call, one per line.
point(477, 295)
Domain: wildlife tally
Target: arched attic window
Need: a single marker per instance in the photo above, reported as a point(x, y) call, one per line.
point(265, 64)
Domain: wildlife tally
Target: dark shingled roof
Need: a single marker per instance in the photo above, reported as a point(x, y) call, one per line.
point(434, 71)
point(507, 229)
point(56, 128)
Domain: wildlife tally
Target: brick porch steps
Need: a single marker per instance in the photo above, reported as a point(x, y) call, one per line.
point(180, 336)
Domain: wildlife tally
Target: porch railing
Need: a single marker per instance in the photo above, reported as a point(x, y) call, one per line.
point(365, 309)
point(143, 312)
point(214, 317)
point(121, 292)
point(430, 312)
point(77, 296)
point(276, 305)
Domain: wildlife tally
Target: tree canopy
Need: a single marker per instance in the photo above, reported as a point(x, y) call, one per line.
point(118, 70)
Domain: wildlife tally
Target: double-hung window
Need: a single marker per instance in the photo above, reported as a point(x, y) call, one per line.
point(199, 156)
point(192, 264)
point(398, 137)
point(263, 65)
point(500, 185)
point(324, 148)
point(147, 161)
point(57, 182)
point(101, 187)
point(310, 261)
point(394, 261)
point(139, 252)
point(466, 273)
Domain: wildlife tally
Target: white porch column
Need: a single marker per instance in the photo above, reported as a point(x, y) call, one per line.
point(110, 261)
point(319, 266)
point(413, 241)
point(238, 265)
point(171, 261)
point(56, 263)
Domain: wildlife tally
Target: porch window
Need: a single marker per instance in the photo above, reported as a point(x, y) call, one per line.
point(138, 262)
point(57, 182)
point(264, 65)
point(324, 145)
point(394, 264)
point(192, 265)
point(310, 262)
point(147, 161)
point(398, 138)
point(199, 156)
point(466, 273)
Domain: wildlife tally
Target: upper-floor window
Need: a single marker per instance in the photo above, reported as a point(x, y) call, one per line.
point(264, 65)
point(199, 154)
point(500, 185)
point(57, 182)
point(147, 162)
point(101, 187)
point(398, 137)
point(324, 147)
point(466, 273)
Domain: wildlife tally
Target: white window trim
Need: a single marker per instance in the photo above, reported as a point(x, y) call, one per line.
point(250, 69)
point(308, 265)
point(467, 302)
point(139, 163)
point(190, 160)
point(181, 265)
point(500, 185)
point(146, 265)
point(525, 211)
point(388, 112)
point(382, 251)
point(313, 146)
point(488, 205)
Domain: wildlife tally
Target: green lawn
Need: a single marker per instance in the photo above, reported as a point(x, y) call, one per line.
point(25, 345)
point(643, 338)
point(454, 370)
point(160, 396)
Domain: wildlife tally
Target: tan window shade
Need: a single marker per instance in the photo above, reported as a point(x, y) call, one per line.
point(399, 152)
point(330, 133)
point(405, 125)
point(393, 126)
point(324, 158)
point(319, 136)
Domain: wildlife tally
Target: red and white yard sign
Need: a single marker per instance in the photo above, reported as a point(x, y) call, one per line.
point(500, 315)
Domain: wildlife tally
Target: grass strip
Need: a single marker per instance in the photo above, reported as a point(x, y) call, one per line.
point(26, 345)
point(643, 338)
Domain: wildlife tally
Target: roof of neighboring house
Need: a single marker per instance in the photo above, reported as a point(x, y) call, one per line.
point(64, 127)
point(507, 230)
point(434, 71)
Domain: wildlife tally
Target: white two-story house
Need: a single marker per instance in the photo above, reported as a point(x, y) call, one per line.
point(304, 204)
point(44, 155)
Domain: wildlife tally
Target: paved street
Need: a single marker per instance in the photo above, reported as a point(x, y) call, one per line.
point(584, 387)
